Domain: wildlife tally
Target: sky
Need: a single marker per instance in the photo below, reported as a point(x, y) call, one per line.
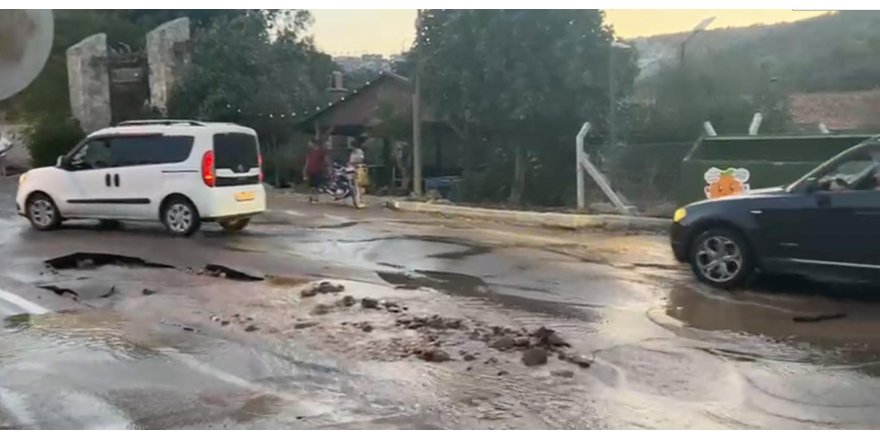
point(386, 32)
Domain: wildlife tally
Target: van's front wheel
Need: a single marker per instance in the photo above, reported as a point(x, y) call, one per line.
point(234, 225)
point(42, 212)
point(180, 217)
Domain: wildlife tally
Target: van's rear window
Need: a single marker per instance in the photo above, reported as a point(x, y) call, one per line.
point(235, 151)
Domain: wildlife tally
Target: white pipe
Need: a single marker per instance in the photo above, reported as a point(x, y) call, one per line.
point(756, 124)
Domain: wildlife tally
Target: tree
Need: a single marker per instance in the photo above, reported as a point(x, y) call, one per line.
point(52, 130)
point(514, 84)
point(255, 69)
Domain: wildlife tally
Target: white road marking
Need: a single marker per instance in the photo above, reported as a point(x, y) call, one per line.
point(304, 406)
point(16, 406)
point(294, 213)
point(95, 412)
point(27, 306)
point(8, 311)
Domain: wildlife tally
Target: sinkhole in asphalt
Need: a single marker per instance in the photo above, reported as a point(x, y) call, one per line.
point(92, 260)
point(89, 260)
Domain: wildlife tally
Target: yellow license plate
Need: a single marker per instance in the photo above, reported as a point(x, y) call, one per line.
point(244, 196)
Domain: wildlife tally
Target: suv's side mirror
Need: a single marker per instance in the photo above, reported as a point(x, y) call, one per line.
point(810, 186)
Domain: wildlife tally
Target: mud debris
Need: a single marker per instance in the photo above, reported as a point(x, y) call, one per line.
point(503, 343)
point(468, 357)
point(348, 301)
point(433, 355)
point(251, 328)
point(369, 303)
point(534, 356)
point(549, 338)
point(365, 326)
point(147, 292)
point(522, 341)
point(562, 373)
point(321, 309)
point(304, 325)
point(578, 359)
point(323, 287)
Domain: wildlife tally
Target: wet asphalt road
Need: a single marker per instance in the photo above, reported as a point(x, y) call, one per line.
point(667, 352)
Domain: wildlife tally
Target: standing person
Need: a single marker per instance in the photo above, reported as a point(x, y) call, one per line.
point(315, 168)
point(356, 160)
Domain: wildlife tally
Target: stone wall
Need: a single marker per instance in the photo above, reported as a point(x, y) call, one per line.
point(89, 82)
point(168, 57)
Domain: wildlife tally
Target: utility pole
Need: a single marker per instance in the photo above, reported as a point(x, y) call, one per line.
point(612, 94)
point(417, 116)
point(697, 29)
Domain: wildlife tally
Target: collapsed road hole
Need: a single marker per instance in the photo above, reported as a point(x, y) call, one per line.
point(228, 273)
point(60, 291)
point(88, 260)
point(337, 225)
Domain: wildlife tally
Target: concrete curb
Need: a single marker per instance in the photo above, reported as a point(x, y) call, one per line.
point(541, 219)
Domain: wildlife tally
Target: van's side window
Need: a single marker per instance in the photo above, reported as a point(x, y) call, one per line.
point(150, 150)
point(95, 154)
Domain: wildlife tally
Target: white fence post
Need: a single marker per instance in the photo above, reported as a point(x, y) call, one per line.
point(578, 154)
point(756, 124)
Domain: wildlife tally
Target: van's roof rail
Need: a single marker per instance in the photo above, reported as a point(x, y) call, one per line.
point(160, 122)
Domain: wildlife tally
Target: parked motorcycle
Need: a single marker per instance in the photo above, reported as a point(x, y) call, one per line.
point(343, 184)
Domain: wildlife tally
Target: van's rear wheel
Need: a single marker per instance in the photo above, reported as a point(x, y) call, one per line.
point(234, 225)
point(42, 212)
point(180, 217)
point(721, 258)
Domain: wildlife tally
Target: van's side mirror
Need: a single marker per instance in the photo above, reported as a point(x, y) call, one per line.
point(59, 161)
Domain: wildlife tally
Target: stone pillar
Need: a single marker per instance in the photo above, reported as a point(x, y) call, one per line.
point(89, 82)
point(168, 58)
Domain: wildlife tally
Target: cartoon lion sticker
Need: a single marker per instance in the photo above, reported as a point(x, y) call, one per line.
point(729, 182)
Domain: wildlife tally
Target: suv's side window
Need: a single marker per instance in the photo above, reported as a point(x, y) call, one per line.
point(94, 154)
point(150, 150)
point(857, 173)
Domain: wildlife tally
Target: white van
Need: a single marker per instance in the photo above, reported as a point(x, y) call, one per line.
point(181, 173)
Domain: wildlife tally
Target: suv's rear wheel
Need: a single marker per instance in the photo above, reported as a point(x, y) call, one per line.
point(234, 225)
point(180, 217)
point(721, 258)
point(42, 212)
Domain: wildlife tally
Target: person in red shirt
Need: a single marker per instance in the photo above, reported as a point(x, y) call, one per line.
point(315, 169)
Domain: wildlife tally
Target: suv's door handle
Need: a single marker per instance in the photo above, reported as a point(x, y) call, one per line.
point(116, 180)
point(107, 179)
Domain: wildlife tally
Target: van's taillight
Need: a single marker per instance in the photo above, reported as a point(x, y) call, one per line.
point(260, 164)
point(208, 168)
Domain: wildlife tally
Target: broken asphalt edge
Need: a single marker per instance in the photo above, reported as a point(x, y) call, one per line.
point(540, 219)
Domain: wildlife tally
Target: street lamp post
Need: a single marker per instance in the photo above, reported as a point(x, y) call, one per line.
point(697, 29)
point(612, 94)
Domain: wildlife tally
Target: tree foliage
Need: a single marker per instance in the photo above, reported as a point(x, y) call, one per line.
point(516, 85)
point(240, 72)
point(256, 69)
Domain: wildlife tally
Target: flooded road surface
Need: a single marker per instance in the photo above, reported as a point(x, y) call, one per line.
point(163, 340)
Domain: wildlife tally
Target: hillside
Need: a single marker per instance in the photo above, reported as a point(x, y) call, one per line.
point(833, 52)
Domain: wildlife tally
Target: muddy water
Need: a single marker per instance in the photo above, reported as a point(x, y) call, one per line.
point(667, 353)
